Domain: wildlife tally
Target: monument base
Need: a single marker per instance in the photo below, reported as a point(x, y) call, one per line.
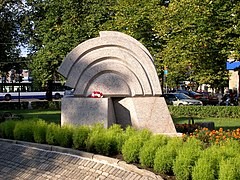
point(139, 112)
point(87, 111)
point(144, 113)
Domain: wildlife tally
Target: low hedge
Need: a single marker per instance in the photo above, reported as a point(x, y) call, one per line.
point(205, 111)
point(34, 105)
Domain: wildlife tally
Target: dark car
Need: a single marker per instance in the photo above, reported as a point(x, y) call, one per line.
point(180, 99)
point(212, 98)
point(195, 95)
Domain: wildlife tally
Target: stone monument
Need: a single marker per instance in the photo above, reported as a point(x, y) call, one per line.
point(121, 68)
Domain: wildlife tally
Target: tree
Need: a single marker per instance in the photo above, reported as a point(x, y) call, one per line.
point(54, 28)
point(133, 17)
point(11, 12)
point(193, 38)
point(200, 33)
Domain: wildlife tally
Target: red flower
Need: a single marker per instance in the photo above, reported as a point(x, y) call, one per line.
point(96, 94)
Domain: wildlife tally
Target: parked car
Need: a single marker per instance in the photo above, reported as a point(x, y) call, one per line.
point(195, 95)
point(211, 98)
point(180, 99)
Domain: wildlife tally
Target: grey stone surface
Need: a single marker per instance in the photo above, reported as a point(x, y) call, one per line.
point(117, 55)
point(22, 161)
point(87, 111)
point(145, 113)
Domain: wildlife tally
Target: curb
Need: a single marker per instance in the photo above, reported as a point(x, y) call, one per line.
point(116, 162)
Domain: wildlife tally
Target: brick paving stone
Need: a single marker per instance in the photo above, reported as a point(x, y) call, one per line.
point(98, 166)
point(92, 164)
point(116, 172)
point(121, 174)
point(130, 175)
point(125, 175)
point(22, 162)
point(98, 171)
point(111, 170)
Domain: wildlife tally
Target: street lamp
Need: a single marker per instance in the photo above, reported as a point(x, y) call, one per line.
point(49, 83)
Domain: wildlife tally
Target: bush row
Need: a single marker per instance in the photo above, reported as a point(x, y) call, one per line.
point(186, 158)
point(34, 105)
point(205, 111)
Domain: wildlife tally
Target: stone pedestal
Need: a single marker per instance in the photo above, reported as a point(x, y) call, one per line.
point(139, 112)
point(87, 111)
point(144, 113)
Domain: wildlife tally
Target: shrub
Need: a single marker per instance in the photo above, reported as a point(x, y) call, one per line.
point(52, 133)
point(186, 157)
point(207, 165)
point(229, 168)
point(115, 132)
point(24, 130)
point(40, 130)
point(103, 141)
point(7, 128)
point(166, 155)
point(147, 152)
point(133, 144)
point(205, 111)
point(80, 136)
point(64, 136)
point(213, 156)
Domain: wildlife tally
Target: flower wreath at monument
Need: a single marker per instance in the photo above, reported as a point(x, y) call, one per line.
point(96, 94)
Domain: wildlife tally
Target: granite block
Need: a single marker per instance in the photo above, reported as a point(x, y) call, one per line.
point(87, 111)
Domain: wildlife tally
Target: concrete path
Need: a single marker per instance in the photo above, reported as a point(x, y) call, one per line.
point(21, 160)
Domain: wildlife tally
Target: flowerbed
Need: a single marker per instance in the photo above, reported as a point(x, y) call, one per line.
point(214, 136)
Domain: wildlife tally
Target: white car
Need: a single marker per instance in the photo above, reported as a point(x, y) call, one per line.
point(180, 99)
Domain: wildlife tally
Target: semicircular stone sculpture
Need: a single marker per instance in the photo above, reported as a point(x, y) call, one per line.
point(114, 63)
point(122, 69)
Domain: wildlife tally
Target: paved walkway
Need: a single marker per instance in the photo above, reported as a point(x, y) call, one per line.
point(21, 160)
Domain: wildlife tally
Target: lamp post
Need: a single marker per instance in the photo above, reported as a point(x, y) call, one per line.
point(165, 77)
point(49, 83)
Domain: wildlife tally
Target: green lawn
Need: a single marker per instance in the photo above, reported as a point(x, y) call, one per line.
point(47, 115)
point(225, 123)
point(55, 116)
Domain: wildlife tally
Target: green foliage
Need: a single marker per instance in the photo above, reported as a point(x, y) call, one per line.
point(64, 136)
point(64, 24)
point(185, 160)
point(10, 21)
point(104, 141)
point(24, 130)
point(209, 170)
point(213, 156)
point(166, 155)
point(116, 134)
point(40, 130)
point(46, 105)
point(147, 152)
point(205, 111)
point(52, 133)
point(7, 128)
point(229, 169)
point(186, 27)
point(133, 145)
point(80, 136)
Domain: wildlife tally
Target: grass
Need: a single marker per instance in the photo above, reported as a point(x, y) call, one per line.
point(225, 123)
point(47, 115)
point(55, 116)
